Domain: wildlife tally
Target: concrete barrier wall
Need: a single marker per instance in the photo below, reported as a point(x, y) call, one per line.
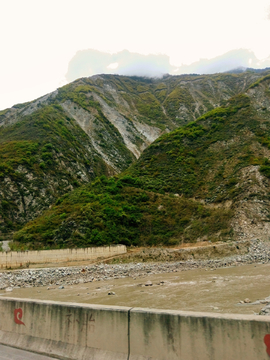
point(15, 259)
point(76, 331)
point(65, 330)
point(177, 335)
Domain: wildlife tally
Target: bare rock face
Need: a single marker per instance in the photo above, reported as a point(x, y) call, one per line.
point(92, 125)
point(251, 210)
point(18, 112)
point(5, 246)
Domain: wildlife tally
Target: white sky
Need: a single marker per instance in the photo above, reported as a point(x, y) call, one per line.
point(39, 37)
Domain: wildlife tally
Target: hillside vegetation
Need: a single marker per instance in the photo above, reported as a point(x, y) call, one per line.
point(41, 157)
point(113, 211)
point(207, 180)
point(204, 158)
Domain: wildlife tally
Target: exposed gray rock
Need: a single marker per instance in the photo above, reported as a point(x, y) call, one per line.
point(148, 283)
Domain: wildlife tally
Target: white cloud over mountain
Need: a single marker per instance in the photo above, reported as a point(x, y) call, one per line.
point(91, 62)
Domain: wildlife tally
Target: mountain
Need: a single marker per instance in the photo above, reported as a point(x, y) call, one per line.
point(207, 180)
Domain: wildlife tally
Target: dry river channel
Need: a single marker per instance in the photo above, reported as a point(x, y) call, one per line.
point(212, 286)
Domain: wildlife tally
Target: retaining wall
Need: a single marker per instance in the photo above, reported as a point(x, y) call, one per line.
point(15, 259)
point(77, 331)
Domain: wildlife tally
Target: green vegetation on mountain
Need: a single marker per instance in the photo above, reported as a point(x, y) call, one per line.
point(202, 159)
point(100, 125)
point(173, 100)
point(112, 211)
point(256, 83)
point(41, 157)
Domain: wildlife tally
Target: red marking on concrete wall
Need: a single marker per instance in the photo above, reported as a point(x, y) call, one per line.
point(267, 343)
point(18, 313)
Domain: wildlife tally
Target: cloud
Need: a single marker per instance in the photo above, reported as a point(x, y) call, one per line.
point(86, 63)
point(239, 58)
point(91, 62)
point(265, 63)
point(142, 65)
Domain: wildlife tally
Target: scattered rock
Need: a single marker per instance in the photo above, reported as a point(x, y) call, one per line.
point(258, 302)
point(265, 310)
point(111, 293)
point(148, 283)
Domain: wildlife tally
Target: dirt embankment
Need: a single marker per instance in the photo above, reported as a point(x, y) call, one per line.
point(198, 251)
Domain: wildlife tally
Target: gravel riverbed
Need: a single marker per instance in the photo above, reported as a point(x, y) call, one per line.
point(259, 252)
